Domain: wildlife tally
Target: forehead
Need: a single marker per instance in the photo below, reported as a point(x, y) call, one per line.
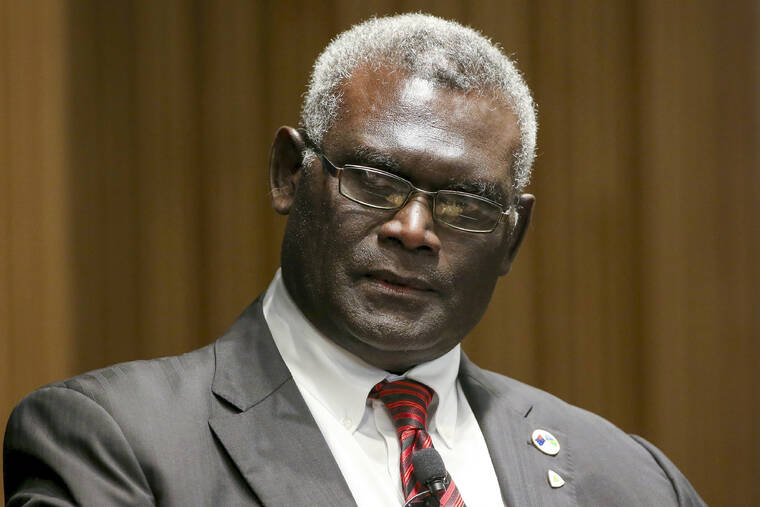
point(441, 132)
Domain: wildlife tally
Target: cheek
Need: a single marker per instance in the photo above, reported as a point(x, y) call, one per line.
point(473, 260)
point(353, 223)
point(308, 231)
point(333, 232)
point(475, 268)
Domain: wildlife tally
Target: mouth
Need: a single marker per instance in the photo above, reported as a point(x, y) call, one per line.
point(394, 282)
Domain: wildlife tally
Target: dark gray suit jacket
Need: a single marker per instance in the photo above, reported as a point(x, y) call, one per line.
point(226, 425)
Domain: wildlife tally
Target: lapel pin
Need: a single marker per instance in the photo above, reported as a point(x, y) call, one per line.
point(545, 442)
point(555, 481)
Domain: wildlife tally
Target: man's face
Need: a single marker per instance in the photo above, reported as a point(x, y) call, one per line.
point(396, 287)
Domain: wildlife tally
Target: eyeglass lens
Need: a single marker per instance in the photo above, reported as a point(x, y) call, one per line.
point(386, 191)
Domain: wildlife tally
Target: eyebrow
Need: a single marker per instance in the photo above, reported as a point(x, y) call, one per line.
point(487, 189)
point(364, 155)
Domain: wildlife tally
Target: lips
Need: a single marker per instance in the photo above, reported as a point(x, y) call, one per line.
point(399, 282)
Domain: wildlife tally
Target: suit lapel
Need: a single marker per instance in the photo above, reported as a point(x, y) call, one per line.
point(267, 428)
point(507, 421)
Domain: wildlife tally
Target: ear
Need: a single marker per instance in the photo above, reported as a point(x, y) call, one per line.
point(524, 211)
point(285, 167)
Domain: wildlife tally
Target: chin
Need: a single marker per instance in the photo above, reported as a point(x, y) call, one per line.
point(394, 360)
point(392, 343)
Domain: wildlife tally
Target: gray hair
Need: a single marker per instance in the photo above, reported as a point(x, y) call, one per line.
point(428, 47)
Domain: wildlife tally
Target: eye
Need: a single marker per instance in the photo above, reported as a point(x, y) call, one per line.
point(371, 179)
point(396, 199)
point(373, 188)
point(449, 209)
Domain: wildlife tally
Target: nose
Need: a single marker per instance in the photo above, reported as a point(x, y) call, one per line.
point(412, 226)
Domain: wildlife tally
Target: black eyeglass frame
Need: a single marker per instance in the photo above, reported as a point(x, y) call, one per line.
point(337, 171)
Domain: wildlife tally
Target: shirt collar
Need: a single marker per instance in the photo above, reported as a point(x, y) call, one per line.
point(341, 381)
point(440, 375)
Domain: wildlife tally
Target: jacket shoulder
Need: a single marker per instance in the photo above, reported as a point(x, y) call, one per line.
point(172, 380)
point(143, 422)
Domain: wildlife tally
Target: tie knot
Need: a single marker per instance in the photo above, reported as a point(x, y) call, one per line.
point(406, 400)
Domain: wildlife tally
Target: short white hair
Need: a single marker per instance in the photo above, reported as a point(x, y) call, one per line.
point(428, 47)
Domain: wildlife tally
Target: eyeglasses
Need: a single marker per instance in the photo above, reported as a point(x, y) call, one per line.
point(383, 190)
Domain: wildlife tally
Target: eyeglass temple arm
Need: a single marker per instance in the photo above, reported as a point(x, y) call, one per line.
point(332, 169)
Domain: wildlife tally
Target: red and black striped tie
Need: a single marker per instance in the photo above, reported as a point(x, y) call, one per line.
point(407, 402)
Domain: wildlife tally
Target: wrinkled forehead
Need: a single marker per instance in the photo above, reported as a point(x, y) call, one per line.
point(417, 118)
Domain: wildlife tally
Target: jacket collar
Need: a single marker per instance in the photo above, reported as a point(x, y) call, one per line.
point(507, 417)
point(265, 425)
point(248, 366)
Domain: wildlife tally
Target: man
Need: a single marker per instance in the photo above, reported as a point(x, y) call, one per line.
point(403, 191)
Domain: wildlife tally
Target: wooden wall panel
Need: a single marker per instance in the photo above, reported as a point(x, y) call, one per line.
point(103, 180)
point(35, 243)
point(585, 224)
point(346, 13)
point(168, 165)
point(7, 394)
point(135, 219)
point(700, 275)
point(36, 339)
point(239, 241)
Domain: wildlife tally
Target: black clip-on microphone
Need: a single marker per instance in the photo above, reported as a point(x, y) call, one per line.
point(429, 470)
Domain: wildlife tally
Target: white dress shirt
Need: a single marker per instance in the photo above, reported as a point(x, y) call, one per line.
point(359, 432)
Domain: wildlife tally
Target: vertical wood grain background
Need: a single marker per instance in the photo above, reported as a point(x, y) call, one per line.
point(135, 222)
